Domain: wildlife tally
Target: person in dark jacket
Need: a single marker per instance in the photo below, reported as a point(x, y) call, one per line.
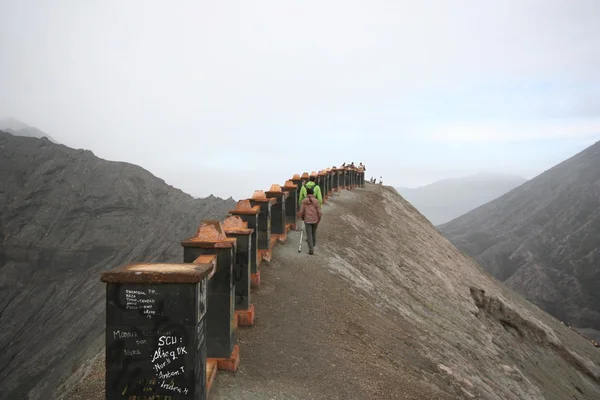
point(310, 213)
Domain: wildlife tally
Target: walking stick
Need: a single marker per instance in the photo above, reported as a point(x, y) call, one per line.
point(301, 234)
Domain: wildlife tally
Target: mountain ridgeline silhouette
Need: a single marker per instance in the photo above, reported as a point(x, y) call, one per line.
point(444, 200)
point(67, 215)
point(543, 239)
point(18, 128)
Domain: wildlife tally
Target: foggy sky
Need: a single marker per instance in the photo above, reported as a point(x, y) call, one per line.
point(227, 97)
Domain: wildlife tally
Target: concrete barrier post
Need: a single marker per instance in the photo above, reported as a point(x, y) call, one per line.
point(249, 215)
point(305, 177)
point(221, 320)
point(304, 180)
point(156, 331)
point(278, 228)
point(235, 227)
point(323, 185)
point(330, 179)
point(291, 204)
point(334, 179)
point(345, 178)
point(297, 180)
point(265, 241)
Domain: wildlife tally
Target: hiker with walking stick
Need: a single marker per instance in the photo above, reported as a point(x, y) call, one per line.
point(310, 213)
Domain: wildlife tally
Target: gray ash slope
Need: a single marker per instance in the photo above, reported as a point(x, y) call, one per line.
point(543, 239)
point(387, 308)
point(66, 215)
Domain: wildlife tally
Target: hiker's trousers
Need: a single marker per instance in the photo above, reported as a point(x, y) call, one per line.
point(311, 235)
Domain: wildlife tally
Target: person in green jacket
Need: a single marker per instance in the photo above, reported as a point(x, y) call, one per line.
point(316, 189)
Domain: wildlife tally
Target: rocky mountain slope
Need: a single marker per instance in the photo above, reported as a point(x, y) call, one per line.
point(444, 200)
point(387, 308)
point(18, 128)
point(543, 239)
point(66, 215)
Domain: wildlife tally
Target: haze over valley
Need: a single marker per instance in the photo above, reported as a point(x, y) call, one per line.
point(471, 273)
point(444, 200)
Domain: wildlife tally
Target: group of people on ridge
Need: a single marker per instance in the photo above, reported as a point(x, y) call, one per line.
point(310, 200)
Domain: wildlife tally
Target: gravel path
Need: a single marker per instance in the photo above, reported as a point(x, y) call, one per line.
point(389, 309)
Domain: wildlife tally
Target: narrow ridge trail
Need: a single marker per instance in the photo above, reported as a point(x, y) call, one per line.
point(315, 335)
point(387, 308)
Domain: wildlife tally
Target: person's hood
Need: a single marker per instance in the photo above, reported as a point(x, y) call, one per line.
point(311, 184)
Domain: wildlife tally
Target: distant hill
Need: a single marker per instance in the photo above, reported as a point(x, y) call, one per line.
point(444, 200)
point(65, 216)
point(543, 239)
point(18, 128)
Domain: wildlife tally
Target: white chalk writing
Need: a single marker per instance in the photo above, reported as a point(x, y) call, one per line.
point(139, 300)
point(170, 374)
point(123, 335)
point(171, 386)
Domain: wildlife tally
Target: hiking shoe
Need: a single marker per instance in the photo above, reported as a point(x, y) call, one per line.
point(311, 252)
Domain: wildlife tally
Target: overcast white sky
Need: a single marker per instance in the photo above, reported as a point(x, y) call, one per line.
point(225, 97)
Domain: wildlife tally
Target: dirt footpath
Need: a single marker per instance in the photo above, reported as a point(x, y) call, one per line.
point(316, 337)
point(389, 309)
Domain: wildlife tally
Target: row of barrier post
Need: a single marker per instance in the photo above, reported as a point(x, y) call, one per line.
point(171, 327)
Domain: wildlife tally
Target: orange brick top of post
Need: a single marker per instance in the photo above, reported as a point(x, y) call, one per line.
point(275, 188)
point(235, 225)
point(260, 197)
point(314, 173)
point(321, 173)
point(148, 273)
point(296, 177)
point(244, 207)
point(276, 191)
point(208, 259)
point(289, 185)
point(211, 235)
point(304, 175)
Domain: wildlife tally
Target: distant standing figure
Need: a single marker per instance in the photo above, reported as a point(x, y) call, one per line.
point(381, 180)
point(310, 213)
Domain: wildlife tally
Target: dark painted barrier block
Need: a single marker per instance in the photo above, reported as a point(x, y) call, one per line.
point(235, 227)
point(220, 317)
point(264, 218)
point(277, 210)
point(297, 180)
point(156, 331)
point(249, 214)
point(334, 179)
point(291, 203)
